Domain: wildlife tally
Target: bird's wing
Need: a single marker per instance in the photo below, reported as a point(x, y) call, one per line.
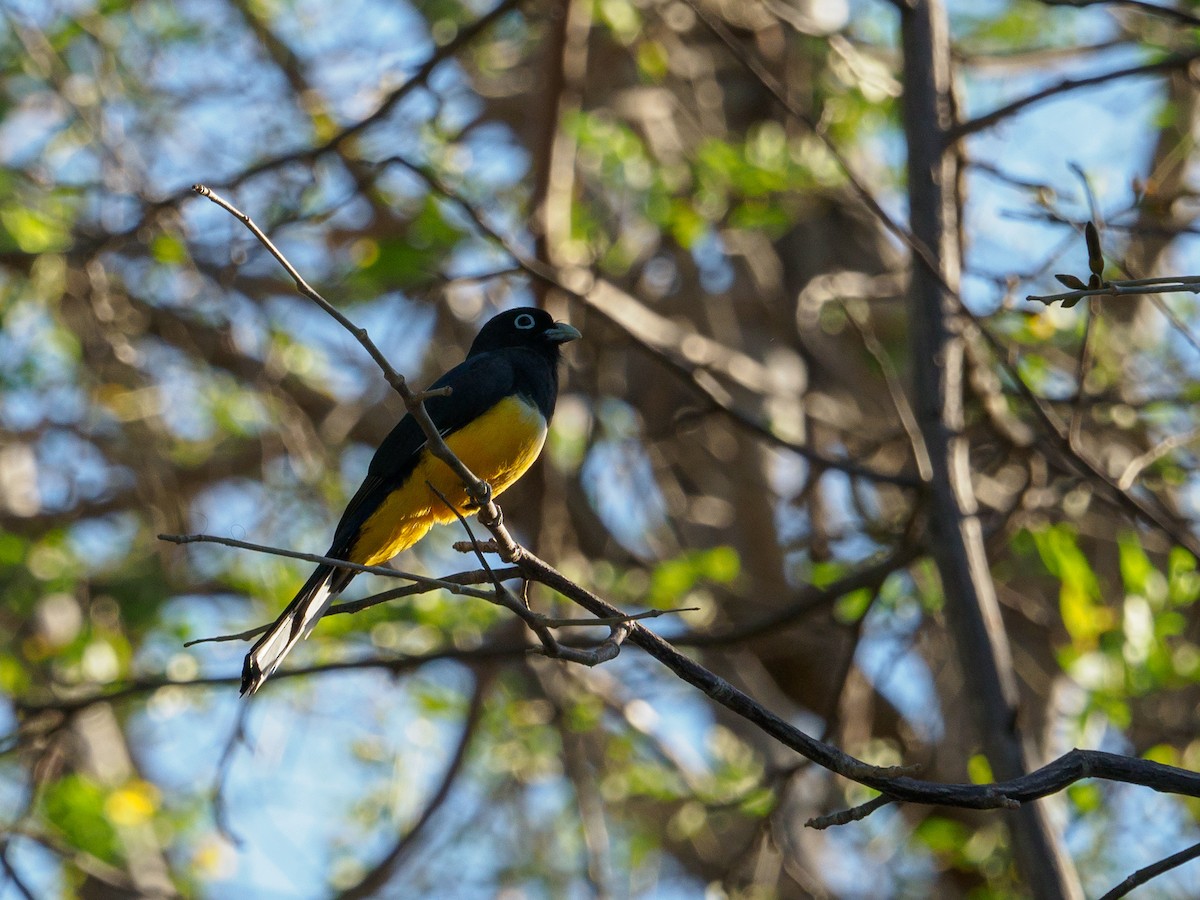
point(477, 384)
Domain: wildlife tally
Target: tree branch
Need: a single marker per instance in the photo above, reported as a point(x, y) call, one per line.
point(937, 347)
point(987, 120)
point(1169, 12)
point(385, 571)
point(656, 335)
point(1130, 287)
point(353, 606)
point(374, 880)
point(1141, 876)
point(479, 491)
point(896, 784)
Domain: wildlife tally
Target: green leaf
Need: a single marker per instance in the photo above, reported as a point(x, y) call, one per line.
point(687, 226)
point(1163, 753)
point(675, 578)
point(652, 60)
point(851, 607)
point(1086, 796)
point(1183, 582)
point(168, 249)
point(759, 215)
point(759, 803)
point(414, 257)
point(1083, 614)
point(74, 806)
point(942, 835)
point(979, 770)
point(1136, 568)
point(33, 230)
point(12, 549)
point(14, 677)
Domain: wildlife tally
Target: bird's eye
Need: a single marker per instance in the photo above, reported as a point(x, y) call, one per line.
point(524, 321)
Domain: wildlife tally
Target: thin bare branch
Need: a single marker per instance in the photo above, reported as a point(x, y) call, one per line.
point(224, 767)
point(462, 38)
point(895, 782)
point(11, 876)
point(1141, 876)
point(987, 120)
point(373, 881)
point(854, 814)
point(385, 571)
point(617, 620)
point(479, 491)
point(353, 606)
point(658, 335)
point(1125, 288)
point(1153, 9)
point(394, 665)
point(1153, 455)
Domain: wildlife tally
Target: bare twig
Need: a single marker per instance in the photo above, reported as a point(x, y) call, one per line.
point(1168, 12)
point(496, 582)
point(846, 816)
point(478, 576)
point(392, 664)
point(354, 606)
point(659, 336)
point(385, 571)
point(224, 766)
point(1125, 288)
point(394, 378)
point(480, 491)
point(373, 881)
point(895, 783)
point(1153, 455)
point(603, 652)
point(11, 876)
point(617, 620)
point(987, 120)
point(1141, 876)
point(713, 685)
point(1177, 323)
point(503, 596)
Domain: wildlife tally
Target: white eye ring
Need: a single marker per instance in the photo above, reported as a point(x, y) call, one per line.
point(524, 321)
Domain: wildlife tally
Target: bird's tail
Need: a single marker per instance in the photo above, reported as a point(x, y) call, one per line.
point(293, 625)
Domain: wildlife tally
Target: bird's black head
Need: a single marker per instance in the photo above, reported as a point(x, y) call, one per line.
point(527, 327)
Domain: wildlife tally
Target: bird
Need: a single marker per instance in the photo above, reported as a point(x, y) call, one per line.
point(494, 418)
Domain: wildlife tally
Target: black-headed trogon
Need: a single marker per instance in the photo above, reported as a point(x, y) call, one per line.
point(494, 419)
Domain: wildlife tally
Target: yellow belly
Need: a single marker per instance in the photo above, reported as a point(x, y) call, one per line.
point(498, 447)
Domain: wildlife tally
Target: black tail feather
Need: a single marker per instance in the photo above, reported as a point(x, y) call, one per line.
point(293, 625)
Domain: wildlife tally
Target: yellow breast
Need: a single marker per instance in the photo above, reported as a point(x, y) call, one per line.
point(498, 447)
